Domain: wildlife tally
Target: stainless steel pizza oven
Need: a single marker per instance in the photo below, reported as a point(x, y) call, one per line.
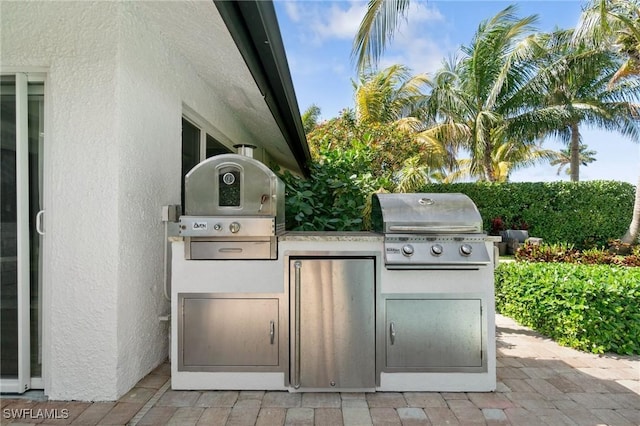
point(430, 231)
point(234, 208)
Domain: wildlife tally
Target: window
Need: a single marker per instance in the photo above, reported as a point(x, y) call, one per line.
point(197, 145)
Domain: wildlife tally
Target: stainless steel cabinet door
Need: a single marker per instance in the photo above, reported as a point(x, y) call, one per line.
point(434, 333)
point(334, 344)
point(229, 332)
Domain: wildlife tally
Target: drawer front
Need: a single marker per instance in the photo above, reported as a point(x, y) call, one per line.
point(213, 250)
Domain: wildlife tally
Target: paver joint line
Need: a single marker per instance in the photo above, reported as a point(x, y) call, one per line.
point(154, 399)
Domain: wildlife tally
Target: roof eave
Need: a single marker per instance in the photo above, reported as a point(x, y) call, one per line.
point(253, 25)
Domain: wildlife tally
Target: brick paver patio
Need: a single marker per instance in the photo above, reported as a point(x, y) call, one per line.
point(539, 383)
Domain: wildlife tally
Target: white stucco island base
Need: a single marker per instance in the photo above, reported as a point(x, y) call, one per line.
point(216, 348)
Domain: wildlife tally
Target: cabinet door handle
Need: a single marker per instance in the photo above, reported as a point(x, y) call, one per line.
point(392, 333)
point(296, 365)
point(272, 331)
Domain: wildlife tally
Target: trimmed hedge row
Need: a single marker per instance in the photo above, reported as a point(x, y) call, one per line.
point(583, 214)
point(595, 308)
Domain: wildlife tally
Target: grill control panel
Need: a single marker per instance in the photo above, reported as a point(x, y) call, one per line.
point(220, 226)
point(417, 252)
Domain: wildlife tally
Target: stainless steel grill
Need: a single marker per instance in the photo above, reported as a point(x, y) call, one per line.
point(234, 209)
point(430, 231)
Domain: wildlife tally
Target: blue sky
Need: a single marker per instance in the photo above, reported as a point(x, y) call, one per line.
point(317, 36)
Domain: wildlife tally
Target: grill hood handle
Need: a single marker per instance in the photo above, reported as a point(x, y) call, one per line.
point(433, 229)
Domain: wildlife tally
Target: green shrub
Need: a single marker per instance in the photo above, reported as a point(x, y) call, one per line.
point(336, 195)
point(595, 308)
point(584, 214)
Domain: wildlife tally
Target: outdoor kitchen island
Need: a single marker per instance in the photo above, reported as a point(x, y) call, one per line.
point(328, 314)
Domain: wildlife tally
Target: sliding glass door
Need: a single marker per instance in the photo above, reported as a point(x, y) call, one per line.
point(21, 231)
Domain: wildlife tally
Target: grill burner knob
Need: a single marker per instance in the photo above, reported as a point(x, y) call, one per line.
point(436, 249)
point(466, 250)
point(407, 250)
point(234, 227)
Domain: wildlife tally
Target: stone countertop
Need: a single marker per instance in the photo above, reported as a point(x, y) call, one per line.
point(330, 236)
point(318, 236)
point(334, 236)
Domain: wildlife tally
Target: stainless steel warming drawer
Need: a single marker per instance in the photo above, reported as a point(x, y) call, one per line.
point(204, 249)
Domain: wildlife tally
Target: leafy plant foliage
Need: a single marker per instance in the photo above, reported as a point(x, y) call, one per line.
point(337, 193)
point(582, 214)
point(595, 308)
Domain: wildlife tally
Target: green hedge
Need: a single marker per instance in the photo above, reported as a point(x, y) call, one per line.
point(595, 308)
point(584, 214)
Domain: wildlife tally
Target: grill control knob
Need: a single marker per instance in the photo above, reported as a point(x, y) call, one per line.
point(234, 227)
point(436, 249)
point(407, 250)
point(466, 250)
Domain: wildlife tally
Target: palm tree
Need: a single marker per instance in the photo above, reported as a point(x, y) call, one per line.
point(563, 158)
point(633, 233)
point(415, 174)
point(506, 158)
point(617, 23)
point(389, 96)
point(310, 118)
point(476, 99)
point(376, 29)
point(394, 97)
point(571, 89)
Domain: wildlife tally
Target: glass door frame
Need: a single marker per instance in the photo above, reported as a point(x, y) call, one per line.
point(24, 381)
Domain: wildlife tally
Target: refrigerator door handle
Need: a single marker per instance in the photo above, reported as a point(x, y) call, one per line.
point(296, 372)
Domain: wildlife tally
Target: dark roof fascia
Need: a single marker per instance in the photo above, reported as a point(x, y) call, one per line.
point(253, 25)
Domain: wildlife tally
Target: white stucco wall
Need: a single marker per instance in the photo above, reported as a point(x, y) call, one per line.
point(81, 266)
point(114, 97)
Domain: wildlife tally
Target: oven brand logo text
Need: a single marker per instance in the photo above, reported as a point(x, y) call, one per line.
point(199, 226)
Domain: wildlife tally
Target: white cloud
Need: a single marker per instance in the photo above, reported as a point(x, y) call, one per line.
point(338, 22)
point(292, 10)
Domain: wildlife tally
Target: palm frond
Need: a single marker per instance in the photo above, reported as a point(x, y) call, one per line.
point(376, 29)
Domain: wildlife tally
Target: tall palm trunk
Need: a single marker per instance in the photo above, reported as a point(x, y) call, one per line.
point(488, 167)
point(575, 153)
point(633, 233)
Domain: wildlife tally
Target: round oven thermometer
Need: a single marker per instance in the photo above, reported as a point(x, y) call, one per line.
point(228, 178)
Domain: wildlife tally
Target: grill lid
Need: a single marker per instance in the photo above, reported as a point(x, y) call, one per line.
point(421, 213)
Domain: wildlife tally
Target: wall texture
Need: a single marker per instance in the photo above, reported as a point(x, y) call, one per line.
point(115, 92)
